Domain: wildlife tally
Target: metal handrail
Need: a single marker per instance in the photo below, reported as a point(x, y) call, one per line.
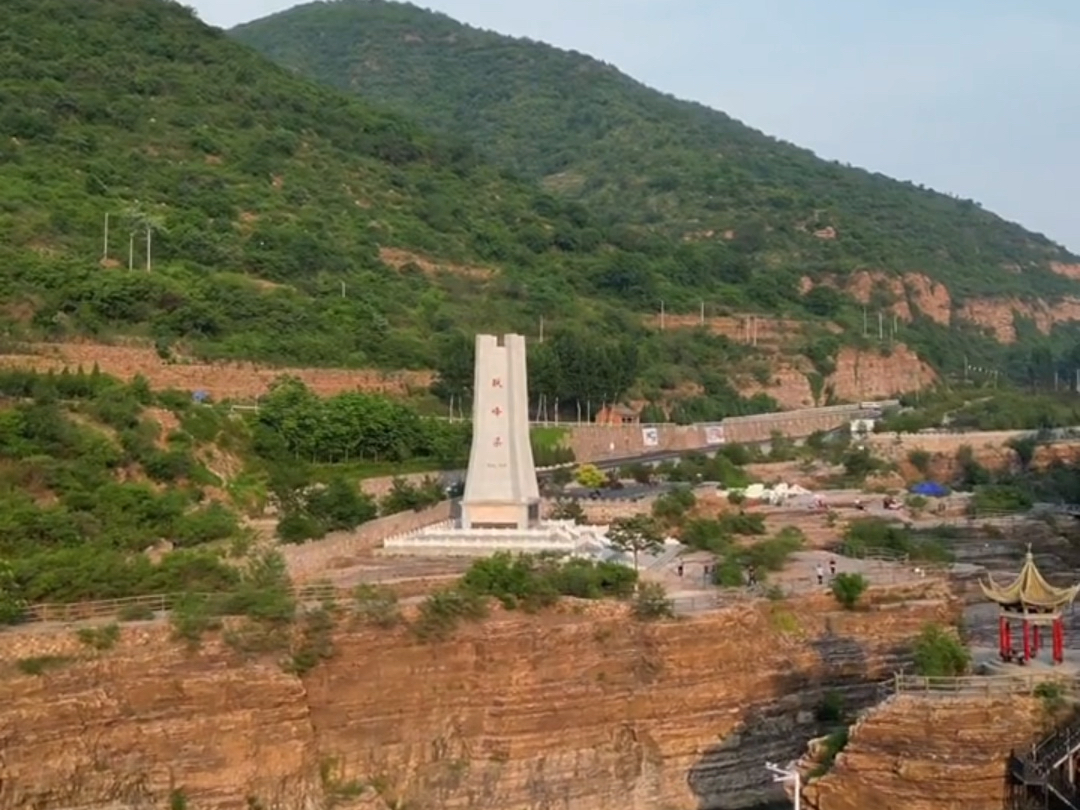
point(903, 682)
point(101, 608)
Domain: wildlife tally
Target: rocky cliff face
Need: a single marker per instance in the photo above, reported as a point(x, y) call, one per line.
point(929, 752)
point(582, 708)
point(859, 375)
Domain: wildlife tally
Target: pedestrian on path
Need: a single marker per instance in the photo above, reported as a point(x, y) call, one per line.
point(820, 574)
point(832, 567)
point(680, 569)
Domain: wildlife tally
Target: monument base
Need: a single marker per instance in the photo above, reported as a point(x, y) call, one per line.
point(447, 540)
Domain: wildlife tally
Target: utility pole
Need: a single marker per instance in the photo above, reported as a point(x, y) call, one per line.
point(148, 232)
point(864, 321)
point(880, 331)
point(541, 328)
point(661, 316)
point(343, 289)
point(131, 251)
point(702, 313)
point(105, 249)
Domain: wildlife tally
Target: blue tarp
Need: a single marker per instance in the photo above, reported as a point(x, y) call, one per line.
point(931, 489)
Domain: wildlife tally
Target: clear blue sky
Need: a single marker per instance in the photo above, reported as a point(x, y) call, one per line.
point(979, 98)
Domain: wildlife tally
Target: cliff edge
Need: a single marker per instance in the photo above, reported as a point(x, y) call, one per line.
point(577, 708)
point(928, 752)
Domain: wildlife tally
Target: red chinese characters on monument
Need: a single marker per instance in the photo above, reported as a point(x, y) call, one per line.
point(497, 411)
point(498, 441)
point(496, 382)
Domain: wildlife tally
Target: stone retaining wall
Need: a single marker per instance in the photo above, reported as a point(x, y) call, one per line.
point(314, 558)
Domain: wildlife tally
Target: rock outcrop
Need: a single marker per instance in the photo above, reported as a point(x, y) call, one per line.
point(921, 752)
point(998, 315)
point(579, 708)
point(859, 375)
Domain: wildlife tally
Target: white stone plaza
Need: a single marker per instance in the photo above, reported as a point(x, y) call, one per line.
point(500, 510)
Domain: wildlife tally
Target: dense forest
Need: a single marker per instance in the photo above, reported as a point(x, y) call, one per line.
point(638, 157)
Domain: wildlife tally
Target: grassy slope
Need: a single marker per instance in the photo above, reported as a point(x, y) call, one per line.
point(645, 158)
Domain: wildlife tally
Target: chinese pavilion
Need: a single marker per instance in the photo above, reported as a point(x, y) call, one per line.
point(1034, 603)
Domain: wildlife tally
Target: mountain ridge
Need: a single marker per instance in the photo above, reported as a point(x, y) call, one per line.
point(526, 105)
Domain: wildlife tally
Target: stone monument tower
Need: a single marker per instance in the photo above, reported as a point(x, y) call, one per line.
point(501, 490)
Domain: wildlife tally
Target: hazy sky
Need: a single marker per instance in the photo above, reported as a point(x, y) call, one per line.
point(979, 98)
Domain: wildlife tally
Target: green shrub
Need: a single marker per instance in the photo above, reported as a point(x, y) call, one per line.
point(513, 580)
point(376, 605)
point(1000, 498)
point(651, 603)
point(834, 744)
point(135, 613)
point(773, 554)
point(751, 524)
point(12, 603)
point(39, 664)
point(920, 460)
point(879, 535)
point(940, 653)
point(192, 616)
point(831, 708)
point(442, 611)
point(671, 507)
point(534, 582)
point(728, 572)
point(848, 588)
point(705, 534)
point(1053, 695)
point(99, 638)
point(315, 643)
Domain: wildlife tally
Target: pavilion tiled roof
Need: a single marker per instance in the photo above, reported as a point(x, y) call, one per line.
point(1029, 590)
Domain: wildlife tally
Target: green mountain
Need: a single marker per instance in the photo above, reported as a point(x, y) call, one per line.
point(638, 157)
point(287, 222)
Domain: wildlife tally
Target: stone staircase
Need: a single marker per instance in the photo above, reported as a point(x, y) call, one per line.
point(1040, 777)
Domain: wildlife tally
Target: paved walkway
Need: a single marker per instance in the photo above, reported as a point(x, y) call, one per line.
point(693, 593)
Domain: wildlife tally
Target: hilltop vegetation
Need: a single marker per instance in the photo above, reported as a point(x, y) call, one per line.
point(96, 473)
point(289, 224)
point(648, 163)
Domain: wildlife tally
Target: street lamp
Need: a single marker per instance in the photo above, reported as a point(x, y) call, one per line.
point(784, 774)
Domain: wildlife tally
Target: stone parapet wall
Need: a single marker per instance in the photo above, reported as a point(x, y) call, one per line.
point(603, 442)
point(312, 559)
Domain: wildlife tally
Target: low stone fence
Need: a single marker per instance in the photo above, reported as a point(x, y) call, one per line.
point(313, 558)
point(380, 486)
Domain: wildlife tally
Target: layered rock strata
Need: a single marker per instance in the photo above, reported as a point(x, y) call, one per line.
point(578, 708)
point(928, 752)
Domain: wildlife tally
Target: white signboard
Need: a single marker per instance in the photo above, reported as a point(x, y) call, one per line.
point(714, 434)
point(650, 437)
